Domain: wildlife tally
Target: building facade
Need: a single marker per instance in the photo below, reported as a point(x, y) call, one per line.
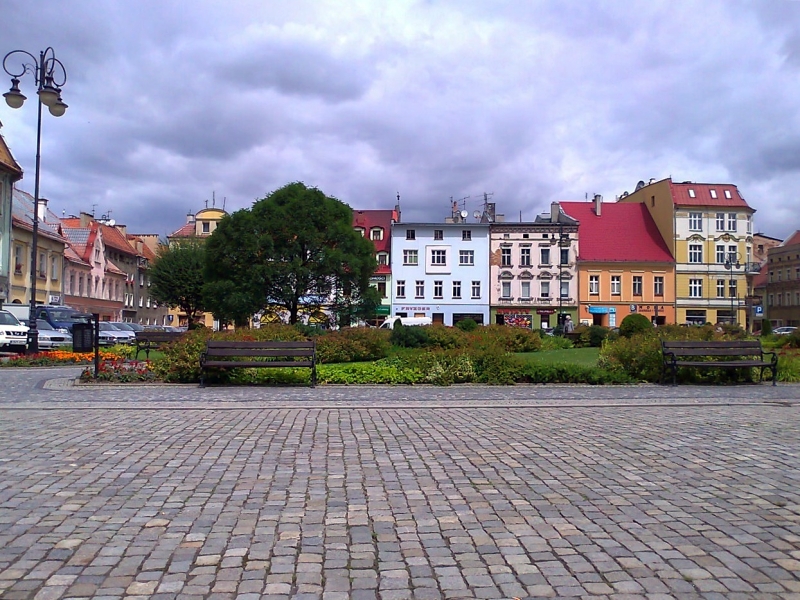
point(624, 265)
point(441, 271)
point(533, 271)
point(709, 230)
point(783, 283)
point(10, 172)
point(376, 226)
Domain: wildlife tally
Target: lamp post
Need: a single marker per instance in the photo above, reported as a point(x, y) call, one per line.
point(49, 75)
point(732, 262)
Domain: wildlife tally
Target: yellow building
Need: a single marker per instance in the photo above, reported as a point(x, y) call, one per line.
point(198, 227)
point(709, 230)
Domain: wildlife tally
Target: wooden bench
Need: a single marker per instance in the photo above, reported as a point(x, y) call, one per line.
point(740, 354)
point(148, 340)
point(268, 354)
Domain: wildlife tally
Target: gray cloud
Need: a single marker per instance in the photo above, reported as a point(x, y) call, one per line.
point(535, 102)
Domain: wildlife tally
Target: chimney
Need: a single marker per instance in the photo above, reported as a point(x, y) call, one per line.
point(598, 204)
point(41, 215)
point(555, 210)
point(190, 217)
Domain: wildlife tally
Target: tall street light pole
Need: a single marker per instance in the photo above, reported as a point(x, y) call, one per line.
point(731, 263)
point(49, 75)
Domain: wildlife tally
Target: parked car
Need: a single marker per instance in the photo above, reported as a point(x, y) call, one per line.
point(134, 327)
point(61, 317)
point(784, 330)
point(121, 337)
point(50, 337)
point(13, 334)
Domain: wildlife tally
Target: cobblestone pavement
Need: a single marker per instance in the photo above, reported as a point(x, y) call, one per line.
point(394, 493)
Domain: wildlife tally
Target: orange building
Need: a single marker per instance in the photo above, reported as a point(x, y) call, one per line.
point(624, 265)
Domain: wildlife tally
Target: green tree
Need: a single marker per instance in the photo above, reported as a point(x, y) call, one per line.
point(176, 278)
point(296, 250)
point(634, 323)
point(766, 327)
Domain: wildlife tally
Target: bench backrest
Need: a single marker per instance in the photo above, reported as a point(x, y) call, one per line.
point(157, 336)
point(712, 348)
point(265, 348)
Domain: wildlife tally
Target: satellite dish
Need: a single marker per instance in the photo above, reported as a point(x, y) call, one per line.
point(464, 214)
point(640, 185)
point(477, 214)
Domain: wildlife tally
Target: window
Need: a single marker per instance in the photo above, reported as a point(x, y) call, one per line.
point(71, 286)
point(148, 302)
point(141, 302)
point(713, 193)
point(18, 263)
point(720, 221)
point(141, 279)
point(695, 221)
point(525, 257)
point(54, 267)
point(691, 193)
point(466, 235)
point(383, 258)
point(658, 285)
point(749, 221)
point(401, 288)
point(41, 266)
point(720, 288)
point(476, 290)
point(565, 289)
point(720, 254)
point(376, 233)
point(466, 257)
point(616, 285)
point(438, 257)
point(545, 256)
point(438, 234)
point(731, 221)
point(437, 289)
point(545, 290)
point(525, 290)
point(411, 234)
point(728, 194)
point(506, 290)
point(770, 300)
point(206, 229)
point(564, 256)
point(382, 289)
point(80, 285)
point(505, 257)
point(419, 289)
point(695, 253)
point(695, 288)
point(732, 254)
point(594, 284)
point(410, 257)
point(637, 285)
point(733, 289)
point(359, 231)
point(456, 289)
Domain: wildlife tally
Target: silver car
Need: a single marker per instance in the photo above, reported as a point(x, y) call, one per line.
point(50, 337)
point(121, 337)
point(784, 330)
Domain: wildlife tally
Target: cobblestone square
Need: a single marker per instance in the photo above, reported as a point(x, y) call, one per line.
point(373, 493)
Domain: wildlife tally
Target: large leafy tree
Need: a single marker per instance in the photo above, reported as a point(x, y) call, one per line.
point(176, 278)
point(296, 250)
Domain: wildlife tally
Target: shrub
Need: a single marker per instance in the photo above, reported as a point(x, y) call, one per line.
point(443, 367)
point(443, 337)
point(564, 373)
point(181, 360)
point(634, 323)
point(766, 327)
point(589, 335)
point(414, 336)
point(510, 339)
point(638, 357)
point(353, 344)
point(467, 325)
point(552, 342)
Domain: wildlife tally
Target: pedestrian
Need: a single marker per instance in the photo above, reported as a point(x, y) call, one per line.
point(569, 326)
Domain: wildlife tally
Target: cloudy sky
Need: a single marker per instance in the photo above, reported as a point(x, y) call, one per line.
point(173, 103)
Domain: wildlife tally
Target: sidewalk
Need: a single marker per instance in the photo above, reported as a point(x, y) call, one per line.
point(393, 493)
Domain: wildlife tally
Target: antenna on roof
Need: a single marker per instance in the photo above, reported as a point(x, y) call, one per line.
point(206, 203)
point(213, 198)
point(224, 199)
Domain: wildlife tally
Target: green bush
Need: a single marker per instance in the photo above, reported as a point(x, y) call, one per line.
point(766, 328)
point(353, 344)
point(634, 323)
point(554, 342)
point(440, 336)
point(589, 335)
point(467, 325)
point(561, 373)
point(414, 336)
point(181, 360)
point(511, 339)
point(638, 357)
point(383, 372)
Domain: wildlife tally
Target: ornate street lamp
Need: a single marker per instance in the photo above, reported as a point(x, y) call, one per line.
point(732, 262)
point(49, 75)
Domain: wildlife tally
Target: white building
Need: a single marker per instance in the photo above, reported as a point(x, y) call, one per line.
point(441, 271)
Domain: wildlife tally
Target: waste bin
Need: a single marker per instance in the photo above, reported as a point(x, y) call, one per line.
point(83, 337)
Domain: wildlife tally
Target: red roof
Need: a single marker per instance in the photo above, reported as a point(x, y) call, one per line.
point(368, 219)
point(187, 230)
point(792, 239)
point(703, 194)
point(114, 238)
point(622, 233)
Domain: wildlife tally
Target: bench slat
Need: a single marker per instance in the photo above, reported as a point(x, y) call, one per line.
point(226, 354)
point(257, 363)
point(255, 345)
point(740, 354)
point(259, 352)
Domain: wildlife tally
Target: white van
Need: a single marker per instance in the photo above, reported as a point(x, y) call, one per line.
point(406, 321)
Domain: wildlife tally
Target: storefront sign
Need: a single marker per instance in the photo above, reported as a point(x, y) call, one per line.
point(382, 310)
point(378, 278)
point(413, 308)
point(511, 311)
point(545, 311)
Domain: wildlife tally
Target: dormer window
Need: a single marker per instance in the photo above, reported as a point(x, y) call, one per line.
point(360, 231)
point(728, 194)
point(206, 226)
point(713, 193)
point(691, 193)
point(376, 233)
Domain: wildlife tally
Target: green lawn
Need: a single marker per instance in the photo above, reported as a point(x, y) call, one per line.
point(586, 357)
